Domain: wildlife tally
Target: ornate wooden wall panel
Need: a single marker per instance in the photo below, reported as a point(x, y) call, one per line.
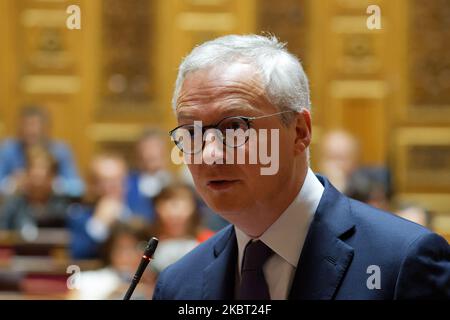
point(348, 73)
point(43, 65)
point(421, 144)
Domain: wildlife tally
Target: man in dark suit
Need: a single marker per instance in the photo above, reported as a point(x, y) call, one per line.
point(293, 235)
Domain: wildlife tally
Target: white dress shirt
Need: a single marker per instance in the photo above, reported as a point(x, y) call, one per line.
point(285, 237)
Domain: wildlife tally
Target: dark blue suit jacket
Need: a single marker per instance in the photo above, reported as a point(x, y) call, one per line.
point(344, 239)
point(136, 201)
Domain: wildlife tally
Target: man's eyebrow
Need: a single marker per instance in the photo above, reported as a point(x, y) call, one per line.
point(185, 116)
point(229, 109)
point(241, 107)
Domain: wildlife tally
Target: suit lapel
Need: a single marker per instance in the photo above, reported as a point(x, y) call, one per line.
point(325, 256)
point(219, 276)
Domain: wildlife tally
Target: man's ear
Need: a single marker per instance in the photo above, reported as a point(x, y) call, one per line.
point(303, 131)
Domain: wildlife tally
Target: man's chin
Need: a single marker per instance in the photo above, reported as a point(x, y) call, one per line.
point(225, 205)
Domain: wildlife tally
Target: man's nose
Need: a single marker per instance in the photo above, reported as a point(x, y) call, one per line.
point(213, 151)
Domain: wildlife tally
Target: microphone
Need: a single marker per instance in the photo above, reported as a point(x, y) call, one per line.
point(146, 257)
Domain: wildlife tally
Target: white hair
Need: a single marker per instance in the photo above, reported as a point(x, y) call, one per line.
point(284, 80)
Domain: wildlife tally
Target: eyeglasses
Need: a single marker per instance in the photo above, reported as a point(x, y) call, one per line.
point(232, 131)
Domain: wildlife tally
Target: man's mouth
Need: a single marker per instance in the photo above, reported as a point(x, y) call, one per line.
point(221, 184)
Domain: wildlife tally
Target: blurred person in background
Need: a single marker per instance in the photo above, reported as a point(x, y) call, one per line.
point(339, 157)
point(340, 162)
point(177, 225)
point(150, 175)
point(121, 254)
point(33, 130)
point(368, 188)
point(103, 205)
point(36, 205)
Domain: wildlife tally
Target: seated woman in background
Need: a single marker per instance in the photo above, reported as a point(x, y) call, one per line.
point(36, 206)
point(105, 204)
point(177, 225)
point(121, 254)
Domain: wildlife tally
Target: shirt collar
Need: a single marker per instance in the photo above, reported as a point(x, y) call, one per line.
point(287, 234)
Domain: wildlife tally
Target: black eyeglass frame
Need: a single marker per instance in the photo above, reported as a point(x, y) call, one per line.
point(247, 120)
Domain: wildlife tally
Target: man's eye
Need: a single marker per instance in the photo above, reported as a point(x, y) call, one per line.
point(235, 124)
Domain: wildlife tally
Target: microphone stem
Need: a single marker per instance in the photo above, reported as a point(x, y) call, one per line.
point(137, 276)
point(148, 254)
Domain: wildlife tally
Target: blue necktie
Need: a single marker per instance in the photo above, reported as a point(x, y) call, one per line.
point(253, 283)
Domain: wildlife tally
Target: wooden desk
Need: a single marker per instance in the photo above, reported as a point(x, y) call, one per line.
point(49, 242)
point(37, 269)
